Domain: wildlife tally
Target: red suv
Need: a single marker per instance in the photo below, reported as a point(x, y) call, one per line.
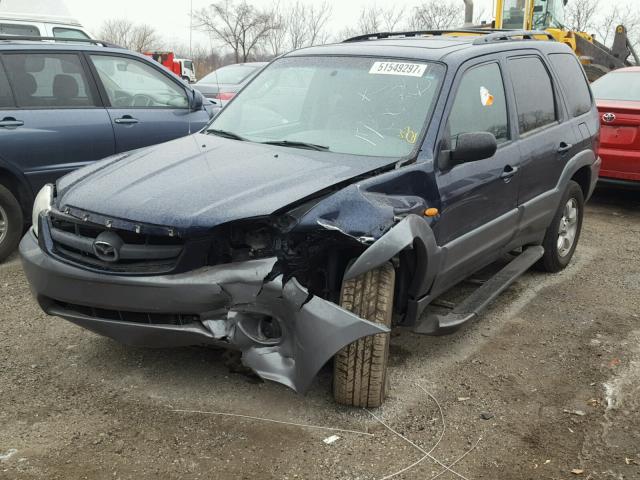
point(618, 99)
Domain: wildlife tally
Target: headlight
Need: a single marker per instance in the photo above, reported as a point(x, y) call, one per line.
point(42, 203)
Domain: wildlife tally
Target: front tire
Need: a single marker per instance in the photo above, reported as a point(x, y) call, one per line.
point(360, 369)
point(11, 223)
point(563, 234)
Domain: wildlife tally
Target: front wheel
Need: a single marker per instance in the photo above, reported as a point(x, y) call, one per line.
point(11, 223)
point(562, 236)
point(360, 369)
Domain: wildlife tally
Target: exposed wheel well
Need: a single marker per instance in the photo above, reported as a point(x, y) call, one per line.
point(583, 178)
point(19, 190)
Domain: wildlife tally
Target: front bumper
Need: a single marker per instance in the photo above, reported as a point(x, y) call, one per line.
point(227, 302)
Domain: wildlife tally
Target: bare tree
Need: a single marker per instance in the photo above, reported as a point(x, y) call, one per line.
point(123, 32)
point(619, 15)
point(581, 14)
point(436, 15)
point(239, 26)
point(374, 19)
point(298, 25)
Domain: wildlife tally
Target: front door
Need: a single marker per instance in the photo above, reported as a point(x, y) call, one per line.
point(478, 214)
point(146, 105)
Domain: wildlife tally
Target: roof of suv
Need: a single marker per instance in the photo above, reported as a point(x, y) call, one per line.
point(12, 42)
point(434, 46)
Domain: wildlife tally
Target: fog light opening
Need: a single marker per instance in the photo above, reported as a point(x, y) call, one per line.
point(269, 328)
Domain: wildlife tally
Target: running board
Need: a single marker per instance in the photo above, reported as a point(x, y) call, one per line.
point(479, 300)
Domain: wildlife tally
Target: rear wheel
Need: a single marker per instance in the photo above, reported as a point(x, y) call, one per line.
point(360, 369)
point(11, 223)
point(562, 236)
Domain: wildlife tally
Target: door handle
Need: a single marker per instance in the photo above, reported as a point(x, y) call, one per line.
point(564, 148)
point(126, 120)
point(10, 122)
point(508, 173)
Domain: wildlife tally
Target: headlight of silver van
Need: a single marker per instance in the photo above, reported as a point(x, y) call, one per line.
point(42, 203)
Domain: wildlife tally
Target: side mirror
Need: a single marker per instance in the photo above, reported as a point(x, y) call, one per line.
point(197, 101)
point(470, 147)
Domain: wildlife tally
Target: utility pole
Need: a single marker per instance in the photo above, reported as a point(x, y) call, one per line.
point(191, 30)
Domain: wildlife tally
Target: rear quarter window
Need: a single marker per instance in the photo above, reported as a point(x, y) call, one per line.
point(574, 83)
point(19, 29)
point(535, 99)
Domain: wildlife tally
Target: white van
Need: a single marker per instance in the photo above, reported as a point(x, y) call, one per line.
point(41, 26)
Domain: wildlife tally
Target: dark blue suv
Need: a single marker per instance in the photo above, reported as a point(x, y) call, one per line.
point(63, 106)
point(342, 192)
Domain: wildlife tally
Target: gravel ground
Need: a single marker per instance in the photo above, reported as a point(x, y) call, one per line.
point(553, 367)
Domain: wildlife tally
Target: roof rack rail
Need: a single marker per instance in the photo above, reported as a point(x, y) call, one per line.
point(488, 34)
point(57, 39)
point(415, 33)
point(506, 35)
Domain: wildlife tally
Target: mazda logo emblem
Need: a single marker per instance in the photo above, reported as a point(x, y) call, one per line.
point(106, 247)
point(609, 117)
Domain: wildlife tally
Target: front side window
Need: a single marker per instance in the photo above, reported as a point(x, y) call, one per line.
point(55, 80)
point(60, 32)
point(480, 105)
point(18, 29)
point(535, 100)
point(574, 82)
point(6, 97)
point(358, 106)
point(131, 83)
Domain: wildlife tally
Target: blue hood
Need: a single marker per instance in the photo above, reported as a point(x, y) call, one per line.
point(200, 181)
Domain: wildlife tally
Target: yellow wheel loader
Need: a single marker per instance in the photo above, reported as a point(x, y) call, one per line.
point(548, 15)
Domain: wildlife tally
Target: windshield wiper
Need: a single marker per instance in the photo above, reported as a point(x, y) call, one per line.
point(226, 134)
point(293, 144)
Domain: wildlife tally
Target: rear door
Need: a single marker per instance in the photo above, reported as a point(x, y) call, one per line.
point(146, 105)
point(55, 122)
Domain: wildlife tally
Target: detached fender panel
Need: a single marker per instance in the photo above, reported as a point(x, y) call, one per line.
point(412, 232)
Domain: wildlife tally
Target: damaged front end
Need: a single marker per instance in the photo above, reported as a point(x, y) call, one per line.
point(266, 287)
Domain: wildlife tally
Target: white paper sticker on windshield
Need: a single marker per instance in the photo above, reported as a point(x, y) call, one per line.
point(398, 68)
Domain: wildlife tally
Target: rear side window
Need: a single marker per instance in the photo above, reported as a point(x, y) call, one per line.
point(535, 100)
point(51, 80)
point(6, 97)
point(480, 105)
point(60, 32)
point(573, 82)
point(22, 30)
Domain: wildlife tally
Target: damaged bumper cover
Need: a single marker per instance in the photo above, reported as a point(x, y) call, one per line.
point(226, 305)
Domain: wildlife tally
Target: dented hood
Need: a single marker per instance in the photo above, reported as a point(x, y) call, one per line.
point(201, 181)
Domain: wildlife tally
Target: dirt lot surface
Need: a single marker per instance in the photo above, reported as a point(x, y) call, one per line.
point(553, 367)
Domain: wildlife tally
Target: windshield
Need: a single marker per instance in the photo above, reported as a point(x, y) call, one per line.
point(359, 106)
point(618, 86)
point(548, 13)
point(232, 74)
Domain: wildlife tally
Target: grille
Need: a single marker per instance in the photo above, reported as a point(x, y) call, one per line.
point(132, 317)
point(137, 253)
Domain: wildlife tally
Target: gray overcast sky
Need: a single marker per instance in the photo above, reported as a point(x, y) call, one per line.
point(171, 18)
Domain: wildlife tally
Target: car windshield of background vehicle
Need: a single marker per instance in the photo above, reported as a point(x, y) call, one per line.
point(231, 75)
point(624, 86)
point(358, 106)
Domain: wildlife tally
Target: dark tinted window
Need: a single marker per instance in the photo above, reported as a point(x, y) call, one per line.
point(15, 29)
point(480, 104)
point(48, 80)
point(6, 98)
point(534, 93)
point(574, 82)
